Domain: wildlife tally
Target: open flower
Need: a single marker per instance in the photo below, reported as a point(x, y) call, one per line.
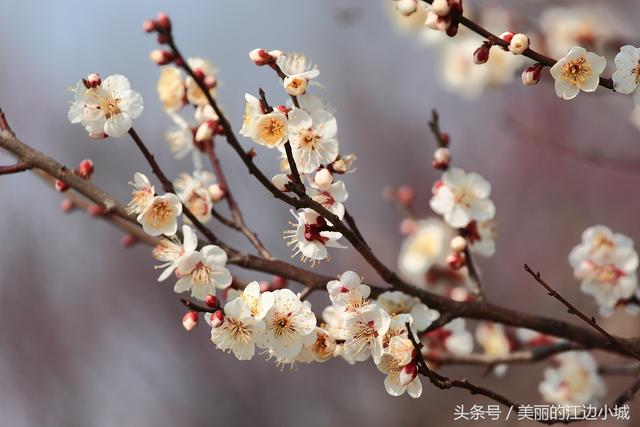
point(348, 294)
point(288, 322)
point(452, 337)
point(462, 197)
point(575, 382)
point(309, 238)
point(259, 303)
point(193, 191)
point(313, 138)
point(298, 71)
point(239, 332)
point(396, 302)
point(106, 109)
point(626, 78)
point(321, 349)
point(481, 237)
point(364, 334)
point(160, 216)
point(329, 194)
point(578, 70)
point(171, 89)
point(142, 194)
point(396, 360)
point(494, 342)
point(269, 129)
point(252, 110)
point(194, 94)
point(171, 252)
point(202, 272)
point(179, 137)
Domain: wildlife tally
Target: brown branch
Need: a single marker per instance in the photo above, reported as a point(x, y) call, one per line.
point(19, 166)
point(591, 321)
point(628, 394)
point(192, 306)
point(495, 40)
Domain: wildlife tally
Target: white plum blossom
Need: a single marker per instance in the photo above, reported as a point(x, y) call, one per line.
point(179, 137)
point(269, 129)
point(396, 302)
point(313, 138)
point(240, 330)
point(298, 71)
point(142, 194)
point(160, 216)
point(202, 272)
point(427, 246)
point(193, 191)
point(171, 88)
point(194, 94)
point(578, 71)
point(462, 197)
point(626, 78)
point(606, 263)
point(481, 237)
point(309, 239)
point(452, 337)
point(364, 332)
point(259, 303)
point(575, 382)
point(495, 343)
point(106, 109)
point(321, 349)
point(398, 358)
point(328, 193)
point(287, 324)
point(252, 110)
point(170, 251)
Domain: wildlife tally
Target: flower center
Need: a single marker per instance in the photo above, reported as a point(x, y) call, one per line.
point(576, 71)
point(201, 274)
point(283, 326)
point(238, 331)
point(110, 106)
point(271, 131)
point(161, 212)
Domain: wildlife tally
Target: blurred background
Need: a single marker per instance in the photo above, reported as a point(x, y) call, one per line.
point(87, 336)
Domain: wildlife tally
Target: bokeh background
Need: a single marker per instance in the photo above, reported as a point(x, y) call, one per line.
point(87, 336)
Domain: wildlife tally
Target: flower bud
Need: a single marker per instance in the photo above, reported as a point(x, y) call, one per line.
point(441, 158)
point(205, 130)
point(278, 282)
point(212, 301)
point(199, 74)
point(295, 86)
point(100, 135)
point(276, 53)
point(163, 22)
point(518, 44)
point(481, 54)
point(216, 319)
point(405, 195)
point(261, 57)
point(458, 244)
point(456, 260)
point(128, 240)
point(432, 20)
point(67, 205)
point(163, 38)
point(407, 7)
point(217, 192)
point(323, 178)
point(190, 320)
point(408, 373)
point(445, 139)
point(95, 210)
point(210, 81)
point(280, 181)
point(161, 56)
point(92, 81)
point(507, 36)
point(60, 186)
point(282, 108)
point(531, 75)
point(149, 26)
point(85, 169)
point(441, 7)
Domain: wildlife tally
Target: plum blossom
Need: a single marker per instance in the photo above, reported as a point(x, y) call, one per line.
point(193, 191)
point(578, 70)
point(396, 302)
point(239, 332)
point(495, 343)
point(452, 337)
point(328, 193)
point(606, 263)
point(397, 359)
point(298, 72)
point(321, 349)
point(171, 88)
point(308, 237)
point(106, 108)
point(258, 303)
point(364, 332)
point(481, 236)
point(202, 272)
point(462, 197)
point(626, 78)
point(171, 252)
point(160, 216)
point(194, 94)
point(142, 194)
point(179, 137)
point(313, 138)
point(287, 324)
point(575, 382)
point(348, 294)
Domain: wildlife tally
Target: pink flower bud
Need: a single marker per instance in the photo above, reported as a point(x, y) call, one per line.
point(445, 139)
point(481, 54)
point(507, 36)
point(199, 73)
point(149, 26)
point(283, 109)
point(61, 186)
point(212, 301)
point(163, 22)
point(518, 44)
point(323, 178)
point(458, 244)
point(205, 130)
point(85, 169)
point(216, 319)
point(408, 373)
point(405, 195)
point(217, 192)
point(210, 81)
point(456, 260)
point(441, 158)
point(441, 7)
point(531, 75)
point(278, 282)
point(190, 320)
point(92, 81)
point(163, 38)
point(161, 56)
point(128, 240)
point(67, 205)
point(261, 57)
point(100, 135)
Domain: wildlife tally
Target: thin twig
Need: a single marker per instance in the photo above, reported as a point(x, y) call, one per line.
point(19, 166)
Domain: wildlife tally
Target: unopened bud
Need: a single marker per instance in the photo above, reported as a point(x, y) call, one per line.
point(282, 108)
point(149, 26)
point(85, 169)
point(407, 7)
point(441, 158)
point(95, 210)
point(210, 81)
point(92, 81)
point(261, 57)
point(276, 53)
point(445, 139)
point(100, 135)
point(190, 320)
point(212, 301)
point(531, 75)
point(278, 282)
point(481, 54)
point(217, 192)
point(456, 260)
point(128, 240)
point(67, 205)
point(408, 373)
point(163, 38)
point(405, 195)
point(458, 244)
point(323, 178)
point(507, 36)
point(163, 22)
point(205, 130)
point(161, 56)
point(60, 186)
point(440, 7)
point(216, 319)
point(518, 44)
point(199, 74)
